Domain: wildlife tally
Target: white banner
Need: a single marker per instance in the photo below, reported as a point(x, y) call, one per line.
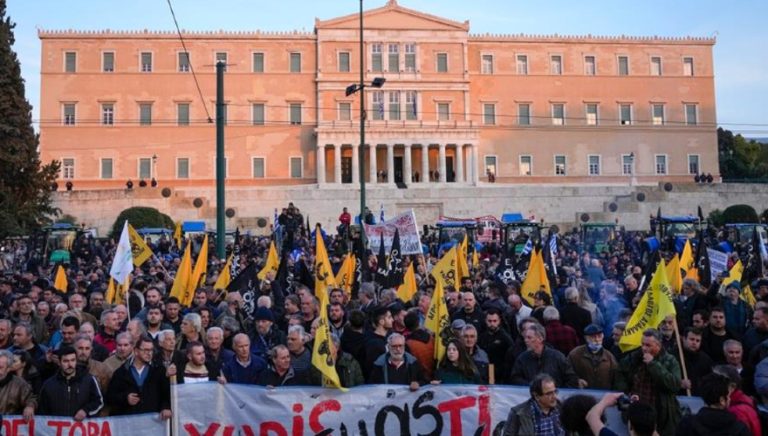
point(217, 410)
point(405, 223)
point(718, 262)
point(132, 425)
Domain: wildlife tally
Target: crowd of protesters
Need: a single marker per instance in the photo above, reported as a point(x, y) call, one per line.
point(122, 357)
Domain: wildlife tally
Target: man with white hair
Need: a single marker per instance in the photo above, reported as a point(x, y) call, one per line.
point(123, 351)
point(301, 357)
point(396, 366)
point(16, 396)
point(573, 315)
point(517, 311)
point(561, 337)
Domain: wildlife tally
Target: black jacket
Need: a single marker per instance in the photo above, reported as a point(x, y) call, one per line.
point(712, 422)
point(155, 394)
point(577, 317)
point(64, 397)
point(269, 377)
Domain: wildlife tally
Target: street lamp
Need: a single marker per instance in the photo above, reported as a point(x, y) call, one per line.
point(378, 82)
point(631, 167)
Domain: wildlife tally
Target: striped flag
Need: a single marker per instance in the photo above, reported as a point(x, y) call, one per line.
point(528, 247)
point(381, 214)
point(553, 252)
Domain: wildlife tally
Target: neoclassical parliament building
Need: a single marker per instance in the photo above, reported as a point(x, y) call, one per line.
point(456, 108)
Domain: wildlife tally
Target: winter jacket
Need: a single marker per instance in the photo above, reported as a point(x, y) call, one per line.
point(154, 394)
point(234, 372)
point(270, 377)
point(528, 366)
point(60, 396)
point(260, 345)
point(743, 407)
point(450, 375)
point(348, 369)
point(407, 373)
point(711, 422)
point(599, 370)
point(421, 344)
point(520, 420)
point(665, 376)
point(15, 395)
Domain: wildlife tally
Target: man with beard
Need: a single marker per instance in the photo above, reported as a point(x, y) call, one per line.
point(336, 318)
point(470, 313)
point(495, 341)
point(715, 336)
point(376, 340)
point(697, 364)
point(197, 369)
point(172, 314)
point(154, 321)
point(72, 391)
point(396, 367)
point(83, 349)
point(266, 336)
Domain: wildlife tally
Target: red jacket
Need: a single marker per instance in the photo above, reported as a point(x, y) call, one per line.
point(561, 337)
point(743, 407)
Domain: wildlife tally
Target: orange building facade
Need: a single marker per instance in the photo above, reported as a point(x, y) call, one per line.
point(456, 108)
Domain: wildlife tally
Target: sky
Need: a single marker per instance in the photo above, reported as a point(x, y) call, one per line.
point(740, 55)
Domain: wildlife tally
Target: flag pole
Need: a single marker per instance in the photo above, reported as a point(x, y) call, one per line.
point(174, 407)
point(680, 353)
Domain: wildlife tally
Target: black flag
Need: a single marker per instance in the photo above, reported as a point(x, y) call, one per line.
point(702, 262)
point(395, 263)
point(245, 283)
point(382, 269)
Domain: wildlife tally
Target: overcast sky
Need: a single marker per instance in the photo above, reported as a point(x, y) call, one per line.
point(741, 55)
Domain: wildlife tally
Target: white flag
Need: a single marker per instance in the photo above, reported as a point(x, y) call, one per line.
point(122, 265)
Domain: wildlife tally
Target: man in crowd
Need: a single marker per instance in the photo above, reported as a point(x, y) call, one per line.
point(595, 366)
point(540, 415)
point(215, 353)
point(245, 367)
point(109, 327)
point(138, 386)
point(301, 356)
point(16, 396)
point(154, 321)
point(196, 368)
point(562, 337)
point(540, 358)
point(714, 417)
point(376, 339)
point(396, 366)
point(715, 336)
point(574, 315)
point(26, 313)
point(83, 349)
point(641, 418)
point(470, 312)
point(72, 391)
point(281, 372)
point(123, 351)
point(697, 364)
point(495, 341)
point(266, 335)
point(468, 336)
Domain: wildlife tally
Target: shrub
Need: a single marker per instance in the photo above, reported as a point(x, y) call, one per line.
point(66, 218)
point(740, 213)
point(141, 217)
point(715, 218)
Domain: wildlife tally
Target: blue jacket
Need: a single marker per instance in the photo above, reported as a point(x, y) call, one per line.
point(234, 372)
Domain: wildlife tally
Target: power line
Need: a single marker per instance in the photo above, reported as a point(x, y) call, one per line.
point(189, 60)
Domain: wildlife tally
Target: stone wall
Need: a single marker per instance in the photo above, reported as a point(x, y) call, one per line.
point(562, 205)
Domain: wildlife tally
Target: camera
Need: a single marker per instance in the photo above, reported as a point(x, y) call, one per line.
point(623, 402)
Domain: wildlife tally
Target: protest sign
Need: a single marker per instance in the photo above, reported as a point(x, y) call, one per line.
point(405, 223)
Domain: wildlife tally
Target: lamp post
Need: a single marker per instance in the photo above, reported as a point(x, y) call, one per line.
point(378, 82)
point(631, 168)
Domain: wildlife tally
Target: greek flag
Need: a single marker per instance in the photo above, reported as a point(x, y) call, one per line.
point(381, 213)
point(528, 247)
point(381, 107)
point(553, 252)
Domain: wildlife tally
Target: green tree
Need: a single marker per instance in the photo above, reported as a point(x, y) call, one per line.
point(141, 217)
point(741, 158)
point(25, 184)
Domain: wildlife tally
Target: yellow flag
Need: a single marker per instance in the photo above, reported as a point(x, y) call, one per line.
point(116, 293)
point(273, 262)
point(475, 259)
point(437, 319)
point(407, 290)
point(197, 278)
point(345, 278)
point(674, 275)
point(536, 279)
point(734, 275)
point(687, 263)
point(445, 269)
point(323, 350)
point(748, 296)
point(323, 274)
point(60, 281)
point(177, 234)
point(225, 276)
point(655, 305)
point(183, 275)
point(139, 248)
point(462, 270)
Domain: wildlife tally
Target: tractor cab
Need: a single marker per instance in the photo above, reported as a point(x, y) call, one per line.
point(517, 232)
point(596, 236)
point(452, 232)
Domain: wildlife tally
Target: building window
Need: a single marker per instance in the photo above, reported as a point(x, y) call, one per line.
point(410, 58)
point(146, 62)
point(70, 62)
point(661, 164)
point(594, 165)
point(68, 168)
point(259, 167)
point(295, 62)
point(394, 105)
point(344, 62)
point(145, 168)
point(106, 168)
point(693, 164)
point(221, 57)
point(393, 61)
point(490, 165)
point(558, 114)
point(623, 66)
point(627, 164)
point(691, 114)
point(442, 62)
point(524, 114)
point(107, 114)
point(591, 111)
point(625, 114)
point(108, 61)
point(182, 168)
point(655, 66)
point(258, 62)
point(69, 114)
point(182, 114)
point(184, 65)
point(657, 114)
point(377, 99)
point(257, 113)
point(145, 114)
point(559, 165)
point(590, 67)
point(489, 114)
point(522, 64)
point(296, 168)
point(345, 111)
point(410, 106)
point(526, 165)
point(295, 113)
point(688, 66)
point(556, 64)
point(376, 61)
point(486, 66)
point(443, 111)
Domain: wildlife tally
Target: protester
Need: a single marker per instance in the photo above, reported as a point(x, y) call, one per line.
point(641, 417)
point(539, 358)
point(595, 366)
point(396, 366)
point(138, 386)
point(714, 418)
point(540, 415)
point(16, 396)
point(456, 366)
point(72, 392)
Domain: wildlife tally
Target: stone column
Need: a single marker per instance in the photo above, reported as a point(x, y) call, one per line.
point(475, 170)
point(441, 156)
point(320, 165)
point(390, 164)
point(407, 171)
point(372, 164)
point(355, 163)
point(424, 163)
point(337, 164)
point(459, 163)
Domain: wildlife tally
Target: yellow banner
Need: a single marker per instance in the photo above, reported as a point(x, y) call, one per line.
point(536, 279)
point(674, 274)
point(197, 278)
point(437, 320)
point(225, 276)
point(345, 278)
point(183, 275)
point(139, 248)
point(272, 262)
point(408, 289)
point(324, 278)
point(445, 269)
point(323, 351)
point(655, 304)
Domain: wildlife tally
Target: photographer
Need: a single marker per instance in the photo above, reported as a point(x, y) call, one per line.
point(641, 417)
